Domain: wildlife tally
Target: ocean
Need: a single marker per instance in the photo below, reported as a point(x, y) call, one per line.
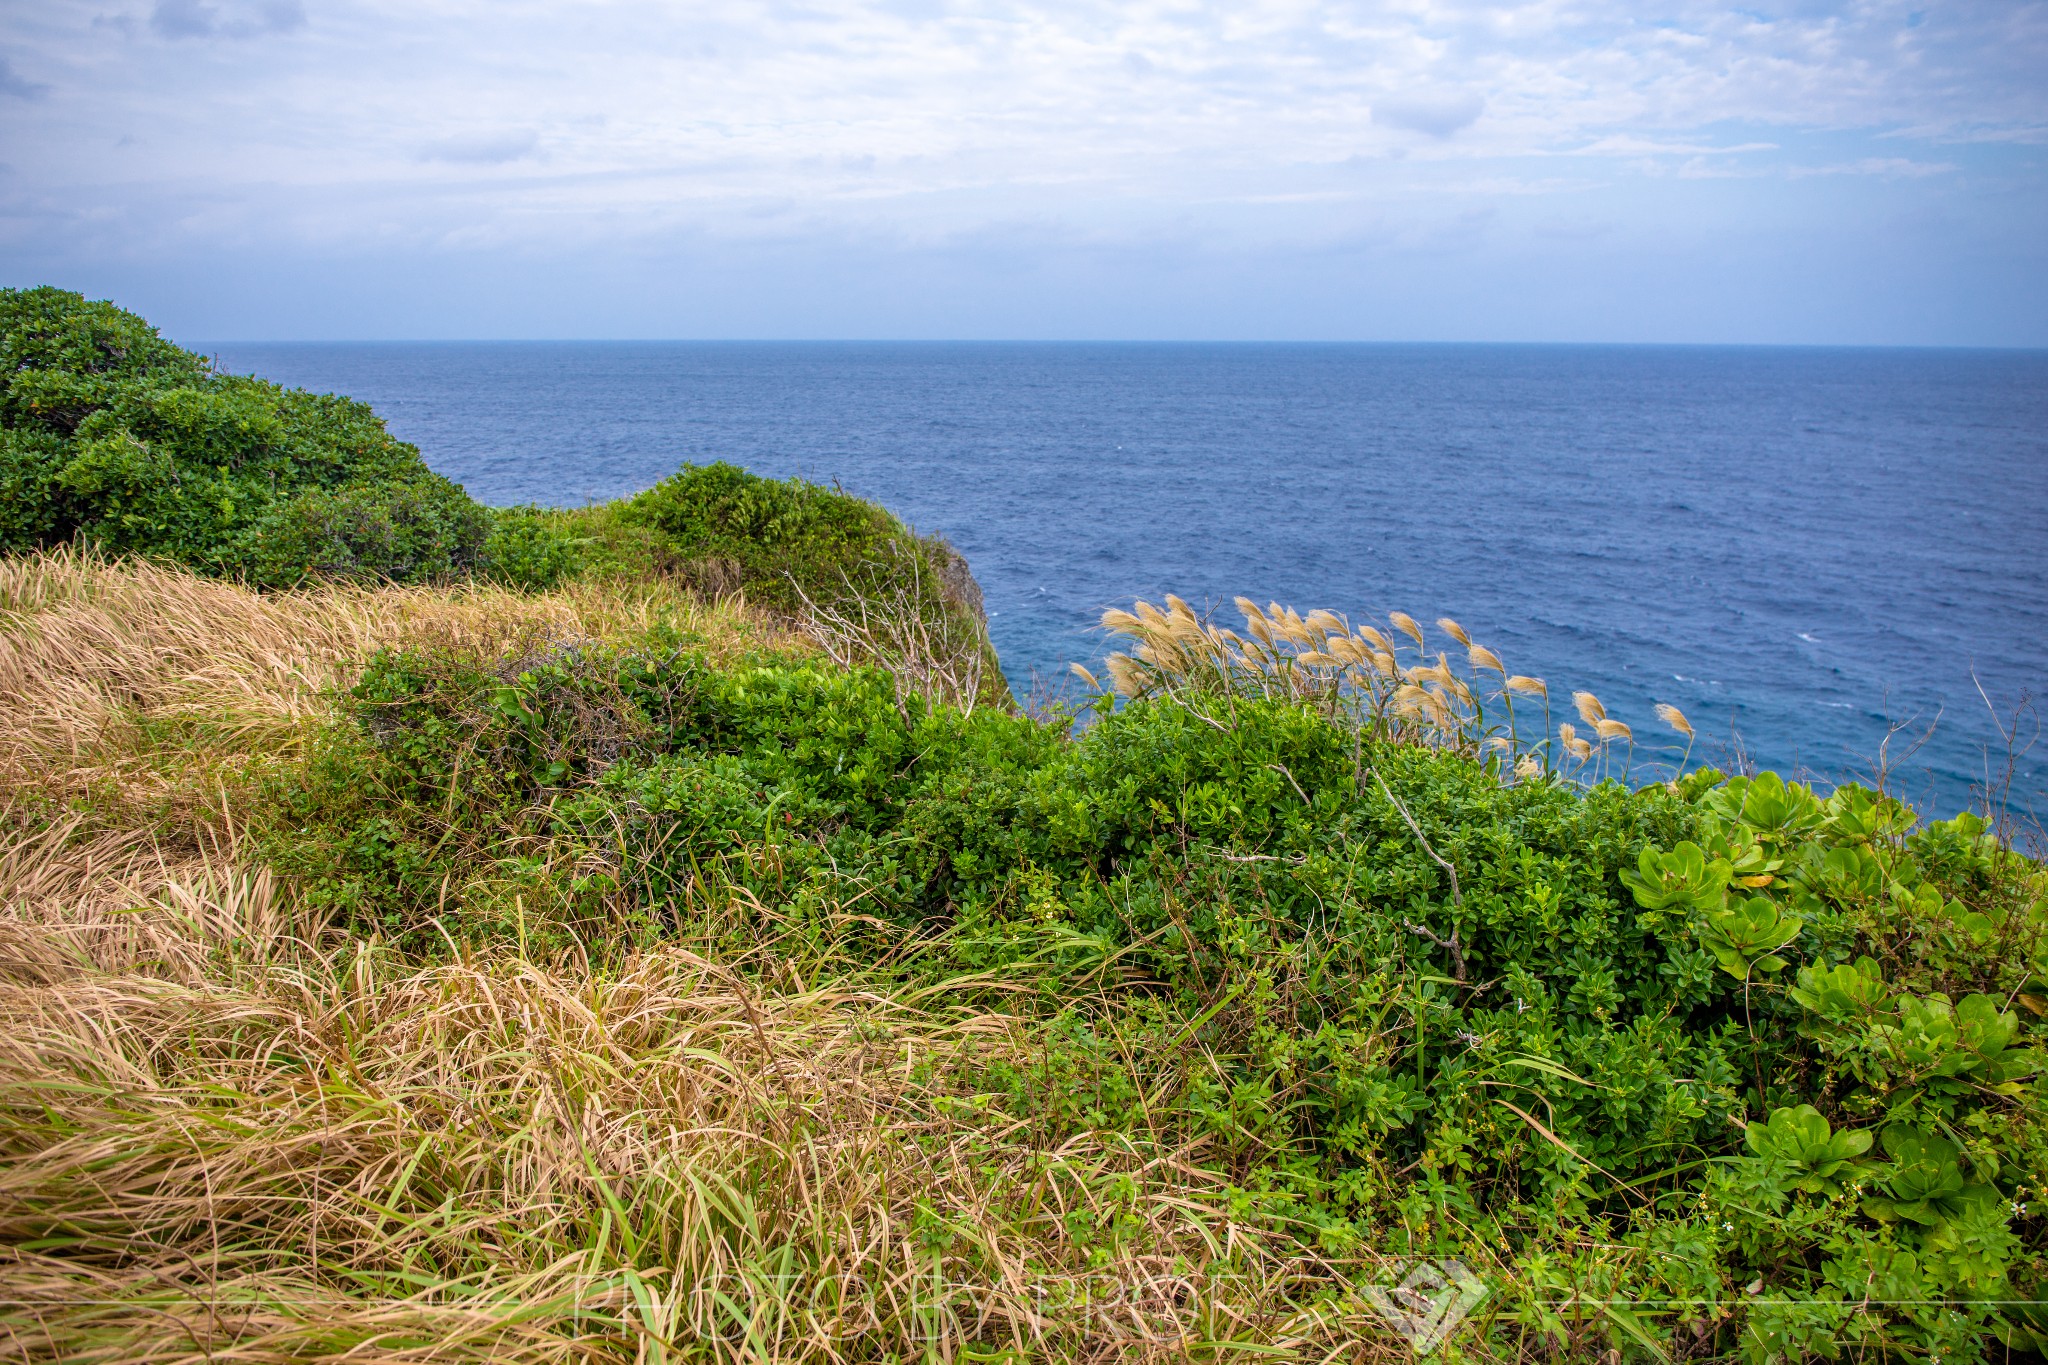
point(1806, 550)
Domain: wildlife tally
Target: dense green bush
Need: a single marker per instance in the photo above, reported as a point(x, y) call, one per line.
point(873, 592)
point(777, 538)
point(534, 547)
point(1659, 1044)
point(110, 433)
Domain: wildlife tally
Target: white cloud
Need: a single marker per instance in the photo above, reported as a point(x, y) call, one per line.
point(1625, 145)
point(1438, 115)
point(1890, 167)
point(14, 85)
point(231, 19)
point(489, 148)
point(565, 125)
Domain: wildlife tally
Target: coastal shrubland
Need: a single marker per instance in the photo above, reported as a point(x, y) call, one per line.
point(613, 950)
point(114, 438)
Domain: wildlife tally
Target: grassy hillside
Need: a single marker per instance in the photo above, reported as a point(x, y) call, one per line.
point(595, 963)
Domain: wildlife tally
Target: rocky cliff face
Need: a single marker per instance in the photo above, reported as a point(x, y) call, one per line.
point(956, 580)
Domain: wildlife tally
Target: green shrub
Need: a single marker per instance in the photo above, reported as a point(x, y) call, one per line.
point(420, 530)
point(112, 434)
point(780, 539)
point(870, 591)
point(533, 548)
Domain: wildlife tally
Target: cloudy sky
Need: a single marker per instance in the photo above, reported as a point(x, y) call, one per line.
point(1665, 170)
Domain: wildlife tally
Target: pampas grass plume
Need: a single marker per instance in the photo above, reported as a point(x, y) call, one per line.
point(1674, 718)
point(1327, 622)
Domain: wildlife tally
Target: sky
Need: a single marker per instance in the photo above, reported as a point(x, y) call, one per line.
point(1783, 171)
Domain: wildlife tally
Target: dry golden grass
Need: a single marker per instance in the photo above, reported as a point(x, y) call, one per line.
point(135, 682)
point(228, 1135)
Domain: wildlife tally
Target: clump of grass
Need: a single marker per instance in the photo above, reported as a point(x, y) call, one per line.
point(1387, 685)
point(120, 678)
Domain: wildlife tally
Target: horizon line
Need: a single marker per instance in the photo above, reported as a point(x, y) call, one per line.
point(1113, 341)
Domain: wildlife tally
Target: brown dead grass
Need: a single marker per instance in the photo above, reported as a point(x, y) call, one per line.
point(140, 684)
point(227, 1135)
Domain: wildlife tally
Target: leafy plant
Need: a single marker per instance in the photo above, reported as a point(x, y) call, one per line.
point(1926, 1181)
point(1799, 1143)
point(1744, 936)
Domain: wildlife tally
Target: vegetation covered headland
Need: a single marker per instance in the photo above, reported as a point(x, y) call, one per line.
point(651, 932)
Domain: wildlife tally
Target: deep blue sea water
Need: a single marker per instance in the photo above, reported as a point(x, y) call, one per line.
point(1797, 547)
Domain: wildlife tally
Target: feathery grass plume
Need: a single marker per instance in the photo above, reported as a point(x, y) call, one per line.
point(1318, 661)
point(1528, 766)
point(1085, 676)
point(1442, 714)
point(1256, 622)
point(1675, 718)
point(1411, 698)
point(1590, 709)
point(1612, 730)
point(1129, 677)
point(1294, 629)
point(1567, 733)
